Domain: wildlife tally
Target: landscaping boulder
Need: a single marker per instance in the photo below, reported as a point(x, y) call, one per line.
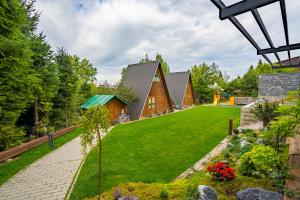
point(207, 193)
point(128, 197)
point(260, 141)
point(244, 142)
point(229, 145)
point(258, 194)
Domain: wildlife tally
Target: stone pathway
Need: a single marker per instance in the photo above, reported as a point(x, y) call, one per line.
point(202, 163)
point(48, 178)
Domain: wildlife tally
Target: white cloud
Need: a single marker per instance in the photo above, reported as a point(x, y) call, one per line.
point(115, 33)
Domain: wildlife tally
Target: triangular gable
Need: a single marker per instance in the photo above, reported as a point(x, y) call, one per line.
point(166, 92)
point(177, 83)
point(139, 78)
point(186, 88)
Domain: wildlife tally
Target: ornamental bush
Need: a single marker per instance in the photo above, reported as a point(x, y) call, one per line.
point(221, 171)
point(259, 162)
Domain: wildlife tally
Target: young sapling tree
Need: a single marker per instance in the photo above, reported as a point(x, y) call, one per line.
point(95, 121)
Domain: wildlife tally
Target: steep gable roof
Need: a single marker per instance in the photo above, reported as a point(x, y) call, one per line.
point(139, 78)
point(177, 83)
point(99, 100)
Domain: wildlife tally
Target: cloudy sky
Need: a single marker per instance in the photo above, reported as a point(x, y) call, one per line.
point(115, 33)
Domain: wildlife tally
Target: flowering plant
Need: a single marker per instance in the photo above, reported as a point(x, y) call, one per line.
point(221, 171)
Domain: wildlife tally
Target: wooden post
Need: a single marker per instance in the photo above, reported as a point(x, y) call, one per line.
point(230, 127)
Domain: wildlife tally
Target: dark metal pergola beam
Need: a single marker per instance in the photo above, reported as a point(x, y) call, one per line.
point(285, 25)
point(279, 49)
point(238, 25)
point(243, 7)
point(263, 29)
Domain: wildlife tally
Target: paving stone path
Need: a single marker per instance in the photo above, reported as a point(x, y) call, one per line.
point(48, 178)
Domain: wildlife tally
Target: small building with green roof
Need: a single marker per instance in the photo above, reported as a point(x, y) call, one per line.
point(115, 105)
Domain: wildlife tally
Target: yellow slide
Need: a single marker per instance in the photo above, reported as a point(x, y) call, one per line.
point(216, 99)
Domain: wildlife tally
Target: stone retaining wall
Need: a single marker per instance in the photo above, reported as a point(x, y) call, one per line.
point(277, 85)
point(244, 100)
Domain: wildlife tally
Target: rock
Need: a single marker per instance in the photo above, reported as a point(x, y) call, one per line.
point(244, 142)
point(128, 197)
point(207, 193)
point(123, 118)
point(229, 145)
point(260, 141)
point(258, 194)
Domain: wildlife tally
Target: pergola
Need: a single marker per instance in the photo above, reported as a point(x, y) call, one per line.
point(229, 12)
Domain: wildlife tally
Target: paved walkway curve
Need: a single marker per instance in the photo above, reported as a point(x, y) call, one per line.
point(48, 178)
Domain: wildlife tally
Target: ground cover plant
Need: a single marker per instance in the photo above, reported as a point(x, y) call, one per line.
point(156, 149)
point(9, 169)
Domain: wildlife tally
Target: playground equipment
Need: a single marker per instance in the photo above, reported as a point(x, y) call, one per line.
point(223, 96)
point(231, 101)
point(217, 98)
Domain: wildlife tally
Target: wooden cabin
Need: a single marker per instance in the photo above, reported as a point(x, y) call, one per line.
point(115, 105)
point(180, 89)
point(148, 83)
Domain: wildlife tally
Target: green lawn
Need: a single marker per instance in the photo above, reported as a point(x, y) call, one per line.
point(8, 169)
point(155, 149)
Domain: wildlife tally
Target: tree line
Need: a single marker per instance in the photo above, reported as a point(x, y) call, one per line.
point(41, 90)
point(207, 78)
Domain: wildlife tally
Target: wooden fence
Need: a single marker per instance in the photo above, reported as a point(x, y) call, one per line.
point(10, 153)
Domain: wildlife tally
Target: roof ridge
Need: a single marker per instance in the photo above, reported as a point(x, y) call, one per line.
point(178, 72)
point(142, 63)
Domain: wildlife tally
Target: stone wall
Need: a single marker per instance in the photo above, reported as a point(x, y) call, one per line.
point(277, 85)
point(244, 100)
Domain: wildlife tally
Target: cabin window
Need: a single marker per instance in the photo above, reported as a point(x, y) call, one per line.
point(156, 78)
point(151, 102)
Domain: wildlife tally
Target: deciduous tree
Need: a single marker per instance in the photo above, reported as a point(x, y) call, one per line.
point(95, 121)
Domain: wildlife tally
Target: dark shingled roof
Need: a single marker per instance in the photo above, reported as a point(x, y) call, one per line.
point(177, 84)
point(294, 61)
point(139, 78)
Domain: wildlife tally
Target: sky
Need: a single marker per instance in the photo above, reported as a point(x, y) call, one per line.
point(115, 33)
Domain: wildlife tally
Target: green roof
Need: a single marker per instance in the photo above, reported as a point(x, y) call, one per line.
point(99, 100)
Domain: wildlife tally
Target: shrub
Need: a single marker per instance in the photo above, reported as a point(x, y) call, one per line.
point(192, 192)
point(164, 194)
point(283, 127)
point(265, 111)
point(245, 149)
point(248, 133)
point(259, 162)
point(221, 171)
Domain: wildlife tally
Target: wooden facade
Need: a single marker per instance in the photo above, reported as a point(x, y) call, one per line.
point(188, 99)
point(158, 101)
point(116, 107)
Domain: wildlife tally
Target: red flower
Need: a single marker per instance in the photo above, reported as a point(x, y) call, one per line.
point(209, 168)
point(221, 171)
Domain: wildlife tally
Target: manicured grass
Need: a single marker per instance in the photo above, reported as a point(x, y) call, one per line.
point(155, 149)
point(9, 169)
